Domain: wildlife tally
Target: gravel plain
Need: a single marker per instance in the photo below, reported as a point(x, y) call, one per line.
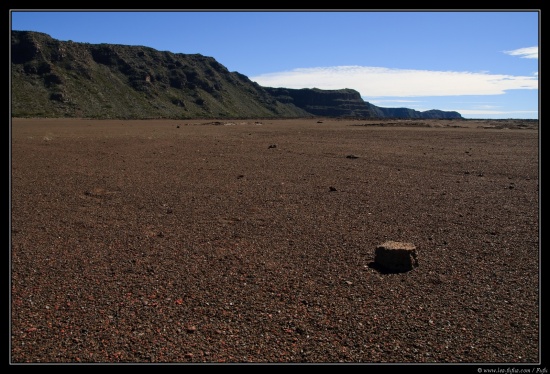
point(252, 241)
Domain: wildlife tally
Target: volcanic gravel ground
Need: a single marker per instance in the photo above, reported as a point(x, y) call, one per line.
point(253, 241)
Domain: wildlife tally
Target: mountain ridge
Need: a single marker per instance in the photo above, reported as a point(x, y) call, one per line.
point(53, 78)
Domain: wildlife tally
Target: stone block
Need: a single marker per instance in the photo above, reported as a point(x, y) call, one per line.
point(396, 256)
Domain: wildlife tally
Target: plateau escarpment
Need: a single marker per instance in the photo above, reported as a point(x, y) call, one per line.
point(53, 78)
point(348, 103)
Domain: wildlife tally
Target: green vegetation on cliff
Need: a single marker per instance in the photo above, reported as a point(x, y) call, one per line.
point(52, 78)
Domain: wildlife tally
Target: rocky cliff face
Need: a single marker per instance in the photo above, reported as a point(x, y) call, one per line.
point(348, 103)
point(326, 103)
point(52, 78)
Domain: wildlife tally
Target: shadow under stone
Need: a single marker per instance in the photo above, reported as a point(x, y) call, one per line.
point(383, 270)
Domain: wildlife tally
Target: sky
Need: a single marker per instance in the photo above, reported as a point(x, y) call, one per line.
point(483, 64)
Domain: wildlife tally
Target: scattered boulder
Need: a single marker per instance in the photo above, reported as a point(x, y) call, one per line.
point(396, 256)
point(352, 156)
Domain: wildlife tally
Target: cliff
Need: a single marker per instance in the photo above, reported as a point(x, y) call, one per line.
point(348, 103)
point(52, 78)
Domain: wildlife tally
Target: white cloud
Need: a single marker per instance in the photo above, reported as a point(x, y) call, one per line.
point(395, 101)
point(412, 104)
point(380, 82)
point(466, 112)
point(529, 52)
point(486, 107)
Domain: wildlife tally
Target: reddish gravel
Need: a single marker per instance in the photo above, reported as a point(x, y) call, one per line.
point(253, 242)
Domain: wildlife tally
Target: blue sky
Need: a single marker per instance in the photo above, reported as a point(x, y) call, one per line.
point(482, 64)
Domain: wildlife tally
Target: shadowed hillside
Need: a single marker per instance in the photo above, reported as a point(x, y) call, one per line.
point(348, 103)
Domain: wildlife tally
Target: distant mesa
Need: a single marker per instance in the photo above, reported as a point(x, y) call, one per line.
point(53, 78)
point(348, 103)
